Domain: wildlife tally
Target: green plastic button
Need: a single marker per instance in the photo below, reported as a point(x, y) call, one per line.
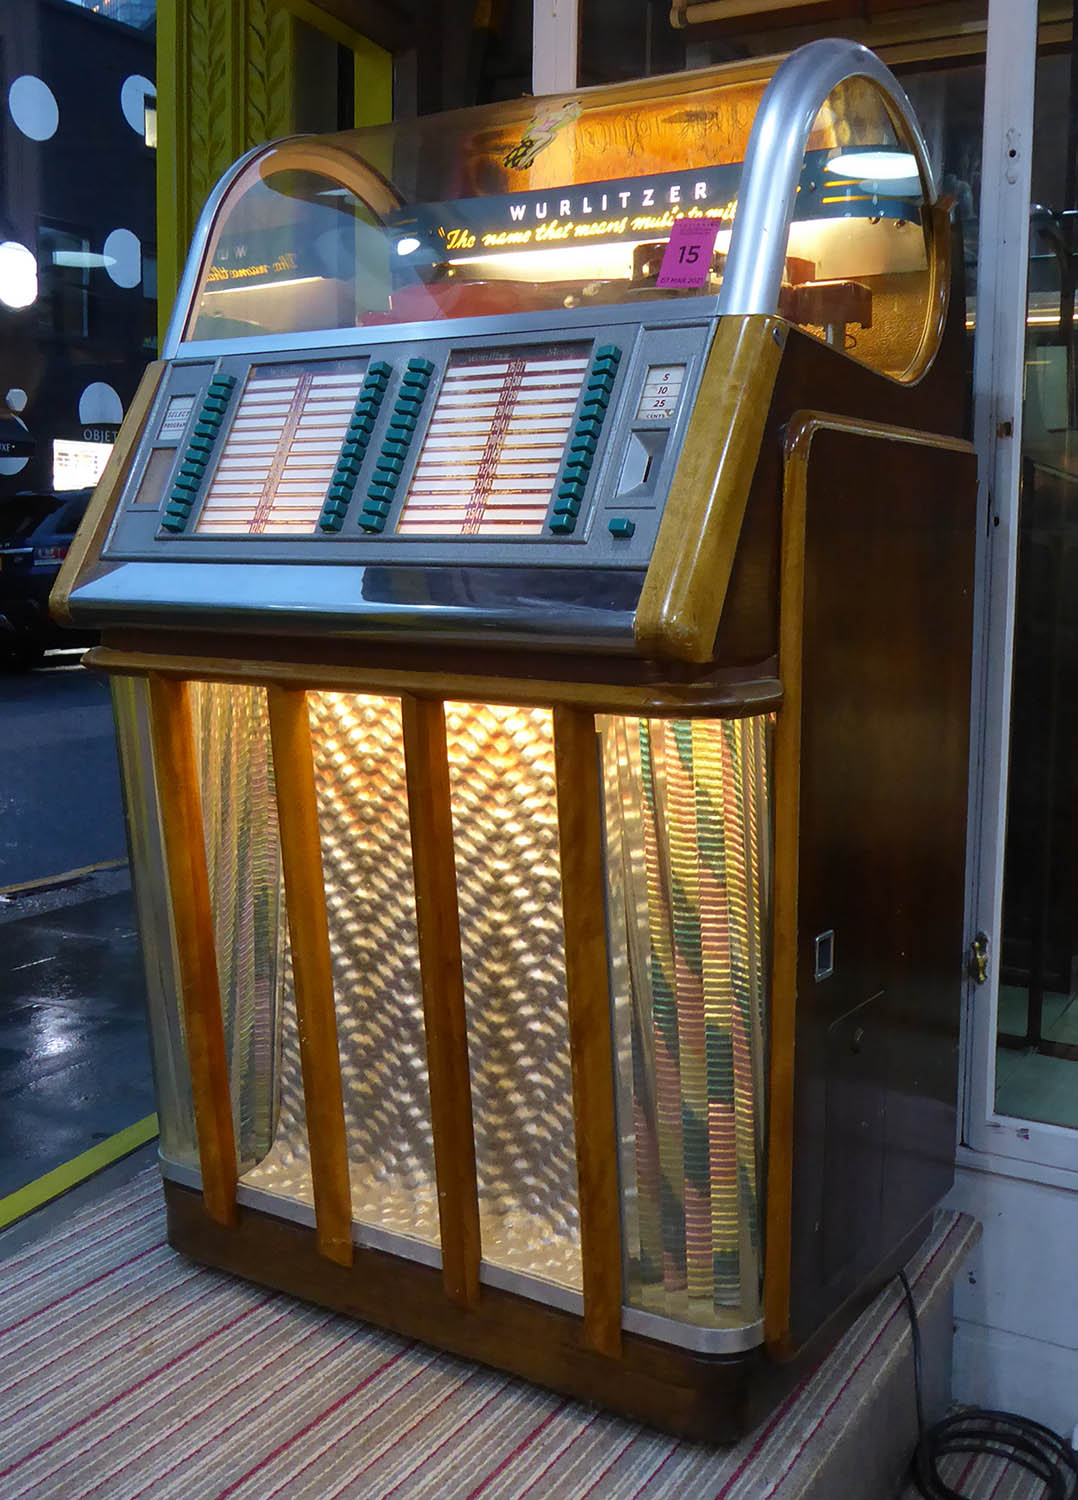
point(367, 406)
point(608, 351)
point(173, 523)
point(185, 485)
point(594, 408)
point(206, 430)
point(355, 450)
point(380, 491)
point(571, 489)
point(363, 424)
point(563, 524)
point(201, 444)
point(341, 489)
point(566, 507)
point(416, 382)
point(401, 423)
point(424, 366)
point(179, 504)
point(215, 404)
point(578, 470)
point(600, 381)
point(376, 507)
point(330, 522)
point(193, 472)
point(194, 455)
point(379, 367)
point(388, 462)
point(372, 523)
point(582, 443)
point(222, 381)
point(622, 526)
point(589, 427)
point(395, 450)
point(346, 466)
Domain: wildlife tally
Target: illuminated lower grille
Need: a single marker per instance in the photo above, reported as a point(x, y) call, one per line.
point(688, 867)
point(687, 851)
point(492, 452)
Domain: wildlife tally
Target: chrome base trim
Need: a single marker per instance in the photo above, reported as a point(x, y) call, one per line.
point(648, 1325)
point(690, 1336)
point(535, 1288)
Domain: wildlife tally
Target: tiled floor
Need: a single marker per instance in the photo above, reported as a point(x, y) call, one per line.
point(74, 1060)
point(1030, 1085)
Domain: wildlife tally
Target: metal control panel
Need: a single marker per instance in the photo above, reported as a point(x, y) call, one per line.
point(556, 449)
point(494, 485)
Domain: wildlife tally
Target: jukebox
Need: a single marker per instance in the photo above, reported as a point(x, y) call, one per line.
point(536, 584)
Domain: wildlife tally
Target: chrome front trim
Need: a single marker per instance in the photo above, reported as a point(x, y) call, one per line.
point(358, 599)
point(681, 312)
point(773, 161)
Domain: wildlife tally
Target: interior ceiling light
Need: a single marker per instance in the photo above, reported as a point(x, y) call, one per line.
point(874, 166)
point(18, 275)
point(81, 258)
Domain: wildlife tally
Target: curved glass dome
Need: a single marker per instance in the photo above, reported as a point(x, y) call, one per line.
point(569, 202)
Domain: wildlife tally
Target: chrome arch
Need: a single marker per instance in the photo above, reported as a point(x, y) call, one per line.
point(769, 177)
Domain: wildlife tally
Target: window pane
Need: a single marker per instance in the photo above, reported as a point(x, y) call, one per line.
point(1037, 1053)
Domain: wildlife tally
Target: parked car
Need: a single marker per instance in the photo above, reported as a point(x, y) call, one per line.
point(35, 532)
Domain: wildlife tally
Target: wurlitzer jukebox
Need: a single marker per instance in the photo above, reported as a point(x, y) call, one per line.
point(536, 581)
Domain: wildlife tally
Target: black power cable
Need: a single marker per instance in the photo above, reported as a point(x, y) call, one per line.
point(1021, 1441)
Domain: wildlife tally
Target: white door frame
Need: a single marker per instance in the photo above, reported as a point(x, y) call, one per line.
point(997, 387)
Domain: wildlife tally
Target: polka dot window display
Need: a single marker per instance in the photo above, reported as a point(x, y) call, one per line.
point(33, 108)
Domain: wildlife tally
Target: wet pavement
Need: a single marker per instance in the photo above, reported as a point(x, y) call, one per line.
point(60, 806)
point(74, 1058)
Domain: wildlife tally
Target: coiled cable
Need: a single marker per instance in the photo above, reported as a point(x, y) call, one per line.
point(975, 1431)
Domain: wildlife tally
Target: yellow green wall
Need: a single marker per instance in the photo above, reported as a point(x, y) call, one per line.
point(224, 84)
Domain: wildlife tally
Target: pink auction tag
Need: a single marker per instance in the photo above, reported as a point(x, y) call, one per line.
point(687, 257)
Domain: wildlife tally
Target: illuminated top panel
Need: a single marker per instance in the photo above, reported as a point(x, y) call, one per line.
point(281, 449)
point(494, 444)
point(569, 203)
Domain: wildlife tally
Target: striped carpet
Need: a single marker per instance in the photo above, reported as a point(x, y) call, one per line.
point(126, 1372)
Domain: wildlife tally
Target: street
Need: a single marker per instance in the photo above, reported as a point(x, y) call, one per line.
point(60, 806)
point(74, 1067)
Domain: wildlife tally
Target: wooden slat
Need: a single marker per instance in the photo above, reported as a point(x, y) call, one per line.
point(434, 874)
point(308, 928)
point(192, 915)
point(587, 980)
point(86, 548)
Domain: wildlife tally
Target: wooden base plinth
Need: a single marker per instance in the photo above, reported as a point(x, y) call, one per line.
point(703, 1397)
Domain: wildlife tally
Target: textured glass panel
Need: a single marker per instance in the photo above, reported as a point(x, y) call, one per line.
point(370, 903)
point(509, 889)
point(688, 846)
point(168, 1045)
point(243, 861)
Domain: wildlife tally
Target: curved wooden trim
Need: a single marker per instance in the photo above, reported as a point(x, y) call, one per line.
point(86, 548)
point(803, 427)
point(735, 699)
point(685, 587)
point(176, 771)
